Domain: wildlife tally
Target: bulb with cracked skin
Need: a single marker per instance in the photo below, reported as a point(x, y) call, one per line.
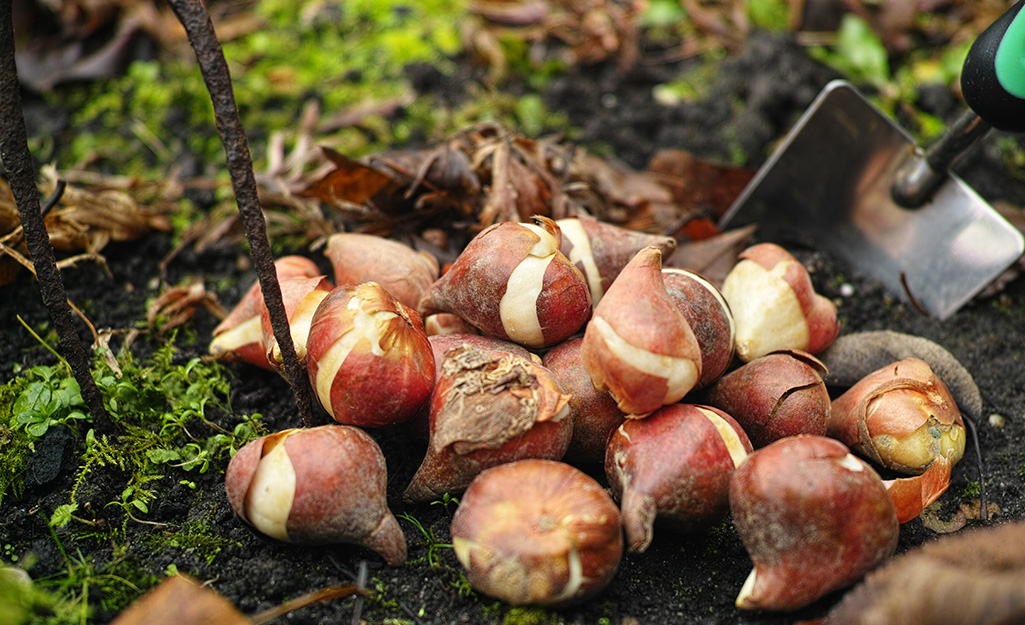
point(674, 466)
point(813, 517)
point(369, 360)
point(537, 532)
point(489, 408)
point(512, 282)
point(638, 346)
point(601, 250)
point(239, 337)
point(774, 396)
point(316, 486)
point(775, 305)
point(901, 416)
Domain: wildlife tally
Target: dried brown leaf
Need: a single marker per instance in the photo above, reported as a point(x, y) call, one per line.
point(180, 600)
point(349, 183)
point(698, 185)
point(712, 257)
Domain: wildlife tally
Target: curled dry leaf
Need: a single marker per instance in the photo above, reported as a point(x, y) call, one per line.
point(972, 578)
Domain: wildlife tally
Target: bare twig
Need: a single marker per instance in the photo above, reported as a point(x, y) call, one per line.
point(21, 176)
point(200, 30)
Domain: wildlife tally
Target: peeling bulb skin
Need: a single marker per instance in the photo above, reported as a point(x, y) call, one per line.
point(814, 519)
point(674, 466)
point(537, 532)
point(322, 485)
point(489, 408)
point(512, 282)
point(370, 361)
point(775, 305)
point(901, 416)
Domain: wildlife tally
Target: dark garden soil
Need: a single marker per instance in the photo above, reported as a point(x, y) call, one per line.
point(680, 579)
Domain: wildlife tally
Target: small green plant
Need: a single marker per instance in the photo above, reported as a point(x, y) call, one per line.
point(446, 501)
point(433, 546)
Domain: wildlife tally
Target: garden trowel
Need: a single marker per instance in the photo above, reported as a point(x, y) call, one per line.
point(850, 181)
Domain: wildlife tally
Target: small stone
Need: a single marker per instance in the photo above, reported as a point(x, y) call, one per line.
point(846, 289)
point(997, 421)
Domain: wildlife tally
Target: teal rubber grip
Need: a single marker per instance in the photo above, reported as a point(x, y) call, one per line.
point(993, 78)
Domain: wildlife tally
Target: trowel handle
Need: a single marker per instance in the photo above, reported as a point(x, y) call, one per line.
point(993, 85)
point(993, 78)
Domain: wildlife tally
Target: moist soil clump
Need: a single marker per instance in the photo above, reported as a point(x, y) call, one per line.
point(752, 100)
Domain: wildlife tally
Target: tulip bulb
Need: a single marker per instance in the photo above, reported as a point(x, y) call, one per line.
point(775, 396)
point(901, 416)
point(402, 271)
point(512, 282)
point(674, 466)
point(601, 250)
point(239, 337)
point(595, 413)
point(315, 486)
point(537, 532)
point(489, 408)
point(709, 317)
point(813, 517)
point(775, 305)
point(638, 346)
point(369, 360)
point(301, 296)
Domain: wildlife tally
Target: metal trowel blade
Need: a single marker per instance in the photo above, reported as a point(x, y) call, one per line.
point(828, 187)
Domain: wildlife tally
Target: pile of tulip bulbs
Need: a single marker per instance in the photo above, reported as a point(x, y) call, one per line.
point(551, 345)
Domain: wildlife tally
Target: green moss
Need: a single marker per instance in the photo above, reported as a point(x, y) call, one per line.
point(771, 15)
point(531, 616)
point(971, 490)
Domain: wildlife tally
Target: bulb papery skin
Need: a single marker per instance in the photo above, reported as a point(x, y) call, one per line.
point(775, 396)
point(300, 296)
point(321, 485)
point(402, 271)
point(775, 305)
point(674, 467)
point(595, 414)
point(901, 416)
point(239, 337)
point(370, 362)
point(601, 250)
point(420, 424)
point(512, 282)
point(813, 517)
point(489, 408)
point(537, 532)
point(709, 317)
point(638, 346)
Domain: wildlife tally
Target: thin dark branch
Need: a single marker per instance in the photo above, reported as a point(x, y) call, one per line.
point(200, 30)
point(22, 178)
